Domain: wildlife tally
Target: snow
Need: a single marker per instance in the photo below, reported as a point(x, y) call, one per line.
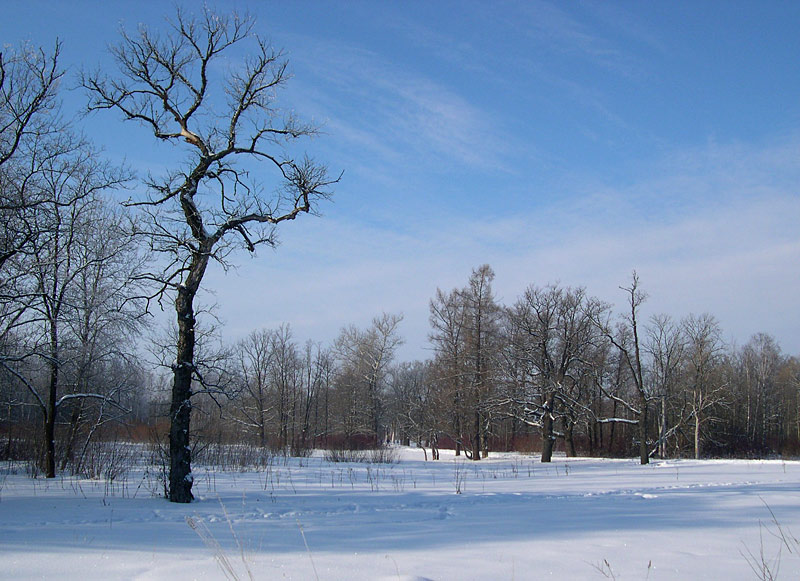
point(514, 518)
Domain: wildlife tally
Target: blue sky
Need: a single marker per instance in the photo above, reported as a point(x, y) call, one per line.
point(556, 141)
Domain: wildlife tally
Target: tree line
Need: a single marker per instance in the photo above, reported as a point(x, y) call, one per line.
point(80, 270)
point(557, 369)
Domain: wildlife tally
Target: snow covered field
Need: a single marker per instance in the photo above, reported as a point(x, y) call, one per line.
point(508, 517)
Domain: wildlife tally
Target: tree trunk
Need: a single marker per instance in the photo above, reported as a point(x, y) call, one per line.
point(476, 445)
point(485, 436)
point(512, 444)
point(663, 437)
point(696, 437)
point(644, 453)
point(50, 442)
point(77, 412)
point(50, 412)
point(9, 433)
point(569, 438)
point(457, 422)
point(262, 427)
point(548, 440)
point(180, 471)
point(612, 429)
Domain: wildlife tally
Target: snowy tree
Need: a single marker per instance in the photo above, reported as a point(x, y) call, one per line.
point(465, 333)
point(365, 357)
point(666, 347)
point(705, 386)
point(625, 337)
point(556, 334)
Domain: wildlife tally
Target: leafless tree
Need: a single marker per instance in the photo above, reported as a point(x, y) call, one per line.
point(28, 84)
point(62, 251)
point(757, 365)
point(448, 331)
point(414, 406)
point(627, 341)
point(317, 367)
point(106, 322)
point(517, 373)
point(178, 85)
point(286, 377)
point(666, 348)
point(465, 333)
point(254, 405)
point(704, 382)
point(789, 382)
point(364, 358)
point(556, 334)
point(30, 130)
point(482, 331)
point(73, 284)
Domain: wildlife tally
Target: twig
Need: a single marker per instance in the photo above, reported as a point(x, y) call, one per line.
point(308, 550)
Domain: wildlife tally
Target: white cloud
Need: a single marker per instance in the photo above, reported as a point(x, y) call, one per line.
point(733, 254)
point(394, 113)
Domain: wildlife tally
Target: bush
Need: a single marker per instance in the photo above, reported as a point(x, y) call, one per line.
point(345, 455)
point(383, 455)
point(379, 455)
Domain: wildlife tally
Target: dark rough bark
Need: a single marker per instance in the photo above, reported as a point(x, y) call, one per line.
point(50, 428)
point(50, 411)
point(180, 453)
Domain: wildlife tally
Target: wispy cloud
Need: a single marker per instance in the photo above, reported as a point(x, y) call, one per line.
point(396, 114)
point(733, 254)
point(555, 30)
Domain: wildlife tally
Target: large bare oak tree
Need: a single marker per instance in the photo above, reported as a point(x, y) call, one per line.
point(192, 85)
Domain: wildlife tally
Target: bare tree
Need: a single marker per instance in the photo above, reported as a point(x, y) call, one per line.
point(107, 318)
point(626, 339)
point(364, 360)
point(178, 86)
point(76, 270)
point(789, 382)
point(285, 377)
point(28, 83)
point(556, 334)
point(761, 359)
point(482, 326)
point(704, 383)
point(254, 405)
point(448, 324)
point(465, 332)
point(517, 373)
point(415, 406)
point(316, 367)
point(666, 347)
point(29, 136)
point(61, 299)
